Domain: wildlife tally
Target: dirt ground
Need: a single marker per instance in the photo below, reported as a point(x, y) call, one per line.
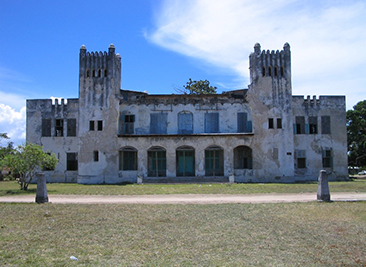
point(185, 199)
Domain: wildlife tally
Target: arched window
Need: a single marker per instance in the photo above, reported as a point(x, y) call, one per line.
point(243, 157)
point(99, 73)
point(87, 73)
point(269, 71)
point(156, 162)
point(264, 71)
point(105, 72)
point(275, 71)
point(128, 159)
point(214, 161)
point(185, 161)
point(185, 122)
point(93, 73)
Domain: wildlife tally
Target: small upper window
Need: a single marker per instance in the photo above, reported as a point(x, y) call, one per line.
point(264, 71)
point(91, 125)
point(87, 73)
point(96, 155)
point(270, 123)
point(275, 71)
point(59, 127)
point(279, 123)
point(100, 125)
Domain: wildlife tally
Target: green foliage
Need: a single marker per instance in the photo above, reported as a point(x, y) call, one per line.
point(27, 160)
point(356, 131)
point(199, 87)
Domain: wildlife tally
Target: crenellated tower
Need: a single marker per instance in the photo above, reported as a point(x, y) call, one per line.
point(99, 95)
point(270, 75)
point(270, 95)
point(99, 76)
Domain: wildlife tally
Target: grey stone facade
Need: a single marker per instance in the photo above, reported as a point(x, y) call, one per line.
point(259, 134)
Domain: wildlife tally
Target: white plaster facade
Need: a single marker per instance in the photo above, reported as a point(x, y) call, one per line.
point(259, 134)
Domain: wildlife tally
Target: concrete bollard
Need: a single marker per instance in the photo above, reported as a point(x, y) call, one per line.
point(231, 178)
point(139, 179)
point(41, 196)
point(323, 187)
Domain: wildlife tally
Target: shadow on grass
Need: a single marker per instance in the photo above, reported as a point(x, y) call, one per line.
point(18, 192)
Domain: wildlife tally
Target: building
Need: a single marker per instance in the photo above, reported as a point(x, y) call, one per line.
point(259, 134)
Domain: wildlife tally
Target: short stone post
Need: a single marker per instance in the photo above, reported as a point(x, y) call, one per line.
point(41, 196)
point(323, 187)
point(139, 179)
point(231, 178)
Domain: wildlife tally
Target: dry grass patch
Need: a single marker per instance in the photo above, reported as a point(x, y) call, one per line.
point(307, 234)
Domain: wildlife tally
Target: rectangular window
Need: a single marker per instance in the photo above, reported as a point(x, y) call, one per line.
point(59, 127)
point(212, 122)
point(46, 127)
point(129, 124)
point(327, 158)
point(72, 161)
point(325, 124)
point(71, 127)
point(279, 123)
point(128, 160)
point(300, 125)
point(158, 123)
point(100, 125)
point(313, 125)
point(156, 163)
point(91, 125)
point(270, 123)
point(185, 123)
point(300, 159)
point(214, 163)
point(96, 155)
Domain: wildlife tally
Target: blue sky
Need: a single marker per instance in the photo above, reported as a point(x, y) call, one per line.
point(164, 43)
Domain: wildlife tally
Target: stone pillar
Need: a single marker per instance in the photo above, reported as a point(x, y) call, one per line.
point(41, 196)
point(323, 187)
point(139, 179)
point(231, 178)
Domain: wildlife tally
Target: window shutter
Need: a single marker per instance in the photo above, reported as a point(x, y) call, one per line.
point(242, 122)
point(212, 122)
point(249, 127)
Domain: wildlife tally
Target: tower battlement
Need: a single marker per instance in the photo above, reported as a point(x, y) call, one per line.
point(98, 64)
point(274, 64)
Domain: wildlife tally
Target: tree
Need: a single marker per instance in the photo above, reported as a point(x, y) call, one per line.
point(199, 87)
point(27, 160)
point(356, 133)
point(3, 152)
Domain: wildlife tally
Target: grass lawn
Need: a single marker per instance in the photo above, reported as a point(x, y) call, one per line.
point(12, 188)
point(295, 234)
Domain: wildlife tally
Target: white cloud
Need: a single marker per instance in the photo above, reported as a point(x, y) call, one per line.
point(326, 38)
point(12, 122)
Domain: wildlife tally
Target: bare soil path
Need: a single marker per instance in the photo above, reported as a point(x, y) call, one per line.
point(184, 198)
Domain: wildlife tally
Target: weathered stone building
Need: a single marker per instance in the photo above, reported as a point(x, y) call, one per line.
point(259, 134)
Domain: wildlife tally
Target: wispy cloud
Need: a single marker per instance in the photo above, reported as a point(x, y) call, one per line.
point(326, 38)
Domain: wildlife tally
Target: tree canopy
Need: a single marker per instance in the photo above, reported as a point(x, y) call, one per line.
point(199, 87)
point(26, 160)
point(356, 133)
